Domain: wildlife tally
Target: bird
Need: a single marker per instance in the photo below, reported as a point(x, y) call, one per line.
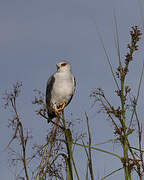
point(60, 89)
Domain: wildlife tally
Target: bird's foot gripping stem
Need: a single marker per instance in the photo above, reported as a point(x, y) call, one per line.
point(60, 108)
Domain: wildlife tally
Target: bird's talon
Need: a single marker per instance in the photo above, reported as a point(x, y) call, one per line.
point(57, 112)
point(62, 106)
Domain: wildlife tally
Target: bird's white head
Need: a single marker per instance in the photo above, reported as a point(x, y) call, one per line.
point(63, 66)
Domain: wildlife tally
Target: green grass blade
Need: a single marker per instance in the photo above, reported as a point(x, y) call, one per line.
point(75, 167)
point(139, 87)
point(87, 158)
point(141, 12)
point(87, 172)
point(90, 159)
point(94, 148)
point(112, 173)
point(108, 59)
point(117, 40)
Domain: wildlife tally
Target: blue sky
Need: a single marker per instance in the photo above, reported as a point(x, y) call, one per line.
point(35, 34)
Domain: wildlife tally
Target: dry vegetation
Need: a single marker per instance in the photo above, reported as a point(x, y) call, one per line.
point(55, 157)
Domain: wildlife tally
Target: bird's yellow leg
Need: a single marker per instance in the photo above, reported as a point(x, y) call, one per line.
point(62, 106)
point(57, 112)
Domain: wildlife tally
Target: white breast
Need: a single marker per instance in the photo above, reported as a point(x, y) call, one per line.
point(63, 87)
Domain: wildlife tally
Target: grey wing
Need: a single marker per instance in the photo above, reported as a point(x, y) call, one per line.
point(49, 88)
point(73, 91)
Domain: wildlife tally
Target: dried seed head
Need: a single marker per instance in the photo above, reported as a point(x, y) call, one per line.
point(135, 37)
point(127, 89)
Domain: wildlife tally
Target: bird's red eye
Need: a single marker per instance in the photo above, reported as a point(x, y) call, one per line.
point(63, 64)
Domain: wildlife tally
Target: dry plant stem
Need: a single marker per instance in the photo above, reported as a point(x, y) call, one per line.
point(51, 121)
point(135, 37)
point(53, 135)
point(24, 150)
point(109, 113)
point(68, 145)
point(52, 141)
point(20, 129)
